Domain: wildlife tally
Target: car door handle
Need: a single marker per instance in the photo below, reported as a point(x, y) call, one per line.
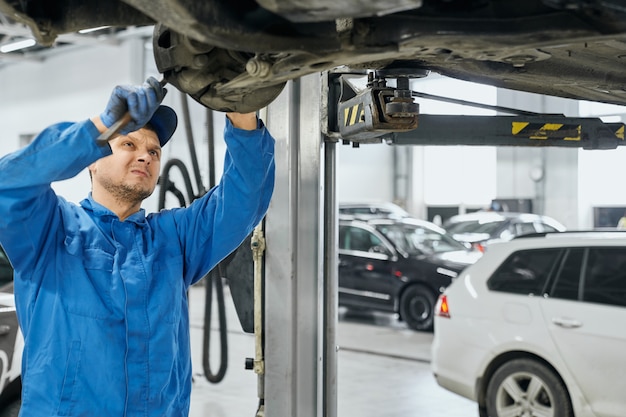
point(566, 323)
point(4, 329)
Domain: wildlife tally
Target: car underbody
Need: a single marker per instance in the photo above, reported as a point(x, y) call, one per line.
point(237, 56)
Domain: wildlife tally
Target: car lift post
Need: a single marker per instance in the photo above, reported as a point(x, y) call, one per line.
point(300, 260)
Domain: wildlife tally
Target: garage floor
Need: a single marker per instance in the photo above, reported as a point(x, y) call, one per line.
point(383, 370)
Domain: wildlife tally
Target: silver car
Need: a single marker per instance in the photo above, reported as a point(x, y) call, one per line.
point(485, 227)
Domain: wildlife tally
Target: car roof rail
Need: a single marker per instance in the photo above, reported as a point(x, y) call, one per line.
point(571, 232)
point(536, 234)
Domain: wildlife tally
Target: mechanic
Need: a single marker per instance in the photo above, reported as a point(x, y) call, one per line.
point(101, 287)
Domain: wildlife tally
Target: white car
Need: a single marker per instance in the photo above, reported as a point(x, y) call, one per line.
point(372, 209)
point(537, 328)
point(483, 228)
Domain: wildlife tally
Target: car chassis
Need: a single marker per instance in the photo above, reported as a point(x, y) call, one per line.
point(237, 56)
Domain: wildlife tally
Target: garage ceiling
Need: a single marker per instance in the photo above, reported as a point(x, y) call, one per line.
point(12, 32)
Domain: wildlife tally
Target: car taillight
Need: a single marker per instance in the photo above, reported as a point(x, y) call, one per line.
point(442, 309)
point(479, 247)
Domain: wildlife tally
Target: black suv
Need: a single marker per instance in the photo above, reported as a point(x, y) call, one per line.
point(11, 344)
point(398, 265)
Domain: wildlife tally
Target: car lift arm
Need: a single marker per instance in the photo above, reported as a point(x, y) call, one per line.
point(540, 130)
point(379, 113)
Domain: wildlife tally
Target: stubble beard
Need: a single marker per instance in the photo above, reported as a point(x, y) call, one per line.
point(124, 193)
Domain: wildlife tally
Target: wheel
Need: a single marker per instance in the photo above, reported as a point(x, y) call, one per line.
point(526, 388)
point(417, 307)
point(12, 409)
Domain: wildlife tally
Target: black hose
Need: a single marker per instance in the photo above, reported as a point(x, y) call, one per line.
point(168, 185)
point(191, 144)
point(214, 278)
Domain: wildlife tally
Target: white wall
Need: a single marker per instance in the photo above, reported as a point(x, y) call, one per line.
point(365, 173)
point(601, 171)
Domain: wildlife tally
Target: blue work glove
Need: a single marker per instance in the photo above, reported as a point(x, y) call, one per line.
point(140, 101)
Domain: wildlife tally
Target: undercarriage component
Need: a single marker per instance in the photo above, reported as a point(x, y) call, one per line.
point(248, 49)
point(49, 19)
point(204, 72)
point(301, 10)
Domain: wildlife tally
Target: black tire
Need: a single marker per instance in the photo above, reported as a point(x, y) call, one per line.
point(417, 307)
point(535, 387)
point(12, 409)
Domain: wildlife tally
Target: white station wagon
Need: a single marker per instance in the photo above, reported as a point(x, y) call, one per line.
point(537, 327)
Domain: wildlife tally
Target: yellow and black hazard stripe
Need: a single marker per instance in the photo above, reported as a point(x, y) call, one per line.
point(546, 130)
point(620, 132)
point(353, 115)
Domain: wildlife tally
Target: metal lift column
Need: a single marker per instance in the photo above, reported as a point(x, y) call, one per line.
point(300, 305)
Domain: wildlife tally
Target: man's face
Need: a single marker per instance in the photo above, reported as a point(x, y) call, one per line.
point(130, 174)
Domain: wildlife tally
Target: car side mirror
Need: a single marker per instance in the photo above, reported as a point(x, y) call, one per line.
point(381, 250)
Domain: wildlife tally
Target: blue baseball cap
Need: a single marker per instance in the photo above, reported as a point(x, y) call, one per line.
point(164, 122)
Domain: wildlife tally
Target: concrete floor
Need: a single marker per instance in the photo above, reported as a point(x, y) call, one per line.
point(383, 370)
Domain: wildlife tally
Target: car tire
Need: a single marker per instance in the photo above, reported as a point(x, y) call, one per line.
point(12, 409)
point(550, 396)
point(417, 307)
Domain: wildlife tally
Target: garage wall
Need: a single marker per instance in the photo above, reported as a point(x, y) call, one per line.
point(364, 173)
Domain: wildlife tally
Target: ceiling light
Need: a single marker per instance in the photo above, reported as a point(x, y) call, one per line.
point(83, 31)
point(17, 45)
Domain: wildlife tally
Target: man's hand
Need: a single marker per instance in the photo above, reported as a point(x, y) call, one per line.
point(246, 121)
point(140, 101)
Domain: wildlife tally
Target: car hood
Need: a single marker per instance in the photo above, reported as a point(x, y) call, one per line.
point(471, 237)
point(461, 257)
point(453, 260)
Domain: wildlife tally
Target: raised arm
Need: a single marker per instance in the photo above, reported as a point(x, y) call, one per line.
point(216, 224)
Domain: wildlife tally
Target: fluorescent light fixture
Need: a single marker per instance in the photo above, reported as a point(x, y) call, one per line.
point(17, 45)
point(83, 31)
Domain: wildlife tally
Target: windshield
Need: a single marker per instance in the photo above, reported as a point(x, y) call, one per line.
point(416, 240)
point(475, 226)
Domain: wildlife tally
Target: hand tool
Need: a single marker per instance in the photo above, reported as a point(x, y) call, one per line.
point(108, 134)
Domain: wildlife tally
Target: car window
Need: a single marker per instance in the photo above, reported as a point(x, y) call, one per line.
point(547, 228)
point(6, 270)
point(356, 238)
point(524, 229)
point(356, 210)
point(605, 278)
point(416, 240)
point(475, 226)
point(567, 282)
point(524, 272)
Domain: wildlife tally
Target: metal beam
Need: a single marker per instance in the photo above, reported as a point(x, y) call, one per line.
point(541, 130)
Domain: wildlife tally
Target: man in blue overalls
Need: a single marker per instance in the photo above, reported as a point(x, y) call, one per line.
point(101, 287)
